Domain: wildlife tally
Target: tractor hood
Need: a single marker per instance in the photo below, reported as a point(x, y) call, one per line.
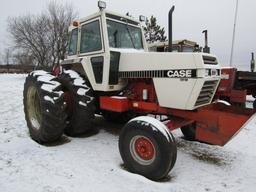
point(181, 80)
point(139, 60)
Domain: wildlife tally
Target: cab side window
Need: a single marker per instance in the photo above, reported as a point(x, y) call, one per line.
point(90, 37)
point(72, 50)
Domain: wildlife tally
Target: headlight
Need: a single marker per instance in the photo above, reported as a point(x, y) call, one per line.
point(207, 72)
point(212, 72)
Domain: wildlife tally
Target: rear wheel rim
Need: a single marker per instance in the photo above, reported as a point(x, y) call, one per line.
point(142, 150)
point(34, 107)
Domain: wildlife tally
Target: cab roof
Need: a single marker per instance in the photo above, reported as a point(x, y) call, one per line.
point(112, 15)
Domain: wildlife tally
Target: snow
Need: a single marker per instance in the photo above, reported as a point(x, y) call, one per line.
point(40, 72)
point(81, 91)
point(118, 97)
point(49, 88)
point(82, 103)
point(155, 125)
point(78, 81)
point(72, 74)
point(93, 163)
point(127, 50)
point(47, 98)
point(46, 79)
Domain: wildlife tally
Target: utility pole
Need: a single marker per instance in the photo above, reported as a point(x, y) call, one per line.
point(234, 34)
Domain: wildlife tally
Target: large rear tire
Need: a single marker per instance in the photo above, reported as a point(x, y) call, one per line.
point(80, 103)
point(44, 107)
point(147, 148)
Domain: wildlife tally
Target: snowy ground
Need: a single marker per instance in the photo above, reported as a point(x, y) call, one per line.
point(93, 163)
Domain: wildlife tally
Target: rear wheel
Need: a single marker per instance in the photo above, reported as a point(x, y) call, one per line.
point(147, 148)
point(44, 107)
point(80, 103)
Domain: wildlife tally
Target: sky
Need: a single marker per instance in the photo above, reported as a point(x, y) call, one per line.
point(190, 19)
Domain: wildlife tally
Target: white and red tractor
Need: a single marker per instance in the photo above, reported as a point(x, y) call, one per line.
point(109, 71)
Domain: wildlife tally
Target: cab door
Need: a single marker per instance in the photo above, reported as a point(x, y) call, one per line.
point(92, 52)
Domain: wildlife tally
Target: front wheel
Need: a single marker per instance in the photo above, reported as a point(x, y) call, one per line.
point(147, 148)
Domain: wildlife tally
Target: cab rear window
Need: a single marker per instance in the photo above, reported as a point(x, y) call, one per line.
point(72, 50)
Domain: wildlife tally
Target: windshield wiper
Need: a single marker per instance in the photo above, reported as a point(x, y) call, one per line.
point(115, 38)
point(128, 30)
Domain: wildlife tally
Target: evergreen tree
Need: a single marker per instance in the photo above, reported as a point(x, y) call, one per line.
point(153, 32)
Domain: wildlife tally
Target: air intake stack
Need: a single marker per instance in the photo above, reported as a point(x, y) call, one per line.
point(170, 28)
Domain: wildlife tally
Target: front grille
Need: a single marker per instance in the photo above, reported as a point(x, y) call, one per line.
point(208, 60)
point(206, 93)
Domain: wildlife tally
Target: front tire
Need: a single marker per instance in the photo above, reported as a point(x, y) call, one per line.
point(44, 107)
point(147, 148)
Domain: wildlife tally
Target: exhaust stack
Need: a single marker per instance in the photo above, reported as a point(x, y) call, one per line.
point(206, 49)
point(252, 63)
point(170, 28)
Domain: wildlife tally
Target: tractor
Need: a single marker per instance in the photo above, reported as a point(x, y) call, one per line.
point(110, 72)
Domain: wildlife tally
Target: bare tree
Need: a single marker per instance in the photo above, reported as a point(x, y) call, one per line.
point(43, 36)
point(30, 35)
point(60, 17)
point(23, 58)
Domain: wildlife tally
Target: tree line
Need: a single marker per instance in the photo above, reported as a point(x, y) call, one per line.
point(42, 39)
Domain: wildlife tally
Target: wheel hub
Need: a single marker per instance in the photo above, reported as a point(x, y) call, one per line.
point(142, 150)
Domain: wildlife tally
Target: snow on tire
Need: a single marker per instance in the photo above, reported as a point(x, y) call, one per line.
point(44, 107)
point(147, 148)
point(80, 103)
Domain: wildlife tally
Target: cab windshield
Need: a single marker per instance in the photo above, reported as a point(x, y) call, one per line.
point(121, 35)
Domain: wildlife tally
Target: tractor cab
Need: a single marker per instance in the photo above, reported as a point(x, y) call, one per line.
point(96, 41)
